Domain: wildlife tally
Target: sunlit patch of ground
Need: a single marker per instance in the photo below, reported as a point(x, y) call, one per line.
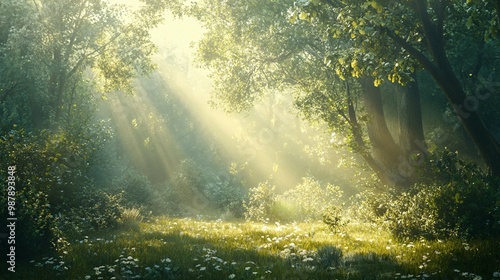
point(167, 248)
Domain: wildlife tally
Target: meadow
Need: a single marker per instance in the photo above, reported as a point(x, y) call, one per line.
point(198, 248)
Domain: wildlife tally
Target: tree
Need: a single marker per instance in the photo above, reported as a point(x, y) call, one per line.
point(254, 46)
point(396, 37)
point(18, 63)
point(59, 49)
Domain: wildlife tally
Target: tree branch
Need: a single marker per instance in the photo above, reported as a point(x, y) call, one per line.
point(95, 52)
point(75, 30)
point(415, 53)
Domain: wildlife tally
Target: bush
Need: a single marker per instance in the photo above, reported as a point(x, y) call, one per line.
point(202, 190)
point(34, 225)
point(434, 211)
point(189, 176)
point(225, 195)
point(370, 206)
point(332, 217)
point(135, 188)
point(465, 204)
point(260, 201)
point(308, 200)
point(414, 216)
point(51, 187)
point(94, 210)
point(137, 192)
point(170, 199)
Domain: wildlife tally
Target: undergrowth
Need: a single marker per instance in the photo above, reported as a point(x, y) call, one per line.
point(166, 248)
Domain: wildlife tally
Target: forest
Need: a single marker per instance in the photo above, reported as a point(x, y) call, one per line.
point(250, 139)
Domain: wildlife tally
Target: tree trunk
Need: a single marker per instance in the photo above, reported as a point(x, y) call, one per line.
point(466, 109)
point(361, 146)
point(384, 150)
point(57, 84)
point(411, 132)
point(59, 98)
point(465, 106)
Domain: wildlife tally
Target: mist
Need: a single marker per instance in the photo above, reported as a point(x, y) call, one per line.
point(227, 139)
point(169, 120)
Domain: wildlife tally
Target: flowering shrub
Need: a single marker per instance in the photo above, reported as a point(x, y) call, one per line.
point(454, 198)
point(307, 201)
point(260, 201)
point(439, 211)
point(413, 216)
point(94, 210)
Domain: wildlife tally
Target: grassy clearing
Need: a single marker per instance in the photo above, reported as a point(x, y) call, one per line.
point(168, 248)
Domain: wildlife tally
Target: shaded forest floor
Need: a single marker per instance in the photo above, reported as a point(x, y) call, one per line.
point(168, 248)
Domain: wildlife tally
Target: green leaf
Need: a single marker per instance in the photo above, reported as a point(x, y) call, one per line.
point(468, 24)
point(304, 16)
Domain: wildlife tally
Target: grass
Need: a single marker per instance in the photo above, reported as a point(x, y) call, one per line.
point(168, 248)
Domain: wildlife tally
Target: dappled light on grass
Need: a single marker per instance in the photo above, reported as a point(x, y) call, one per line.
point(166, 248)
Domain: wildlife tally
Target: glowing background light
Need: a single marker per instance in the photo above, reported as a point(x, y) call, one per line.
point(156, 143)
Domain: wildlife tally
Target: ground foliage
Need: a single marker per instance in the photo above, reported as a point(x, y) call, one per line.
point(55, 195)
point(455, 198)
point(190, 248)
point(446, 226)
